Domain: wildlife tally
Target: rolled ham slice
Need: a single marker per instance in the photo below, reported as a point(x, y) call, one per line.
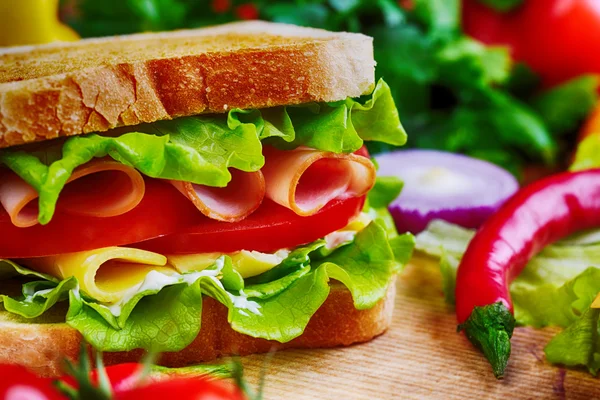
point(305, 180)
point(100, 188)
point(240, 198)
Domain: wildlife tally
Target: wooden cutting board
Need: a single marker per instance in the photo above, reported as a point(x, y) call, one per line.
point(420, 357)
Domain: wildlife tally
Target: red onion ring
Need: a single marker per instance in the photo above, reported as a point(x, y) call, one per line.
point(440, 185)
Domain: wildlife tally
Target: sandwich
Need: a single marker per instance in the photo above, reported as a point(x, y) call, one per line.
point(198, 193)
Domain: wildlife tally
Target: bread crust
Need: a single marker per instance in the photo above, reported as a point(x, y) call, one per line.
point(94, 85)
point(43, 347)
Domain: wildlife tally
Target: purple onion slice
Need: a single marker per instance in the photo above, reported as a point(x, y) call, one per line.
point(447, 186)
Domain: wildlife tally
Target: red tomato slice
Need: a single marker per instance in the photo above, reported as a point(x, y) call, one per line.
point(557, 38)
point(270, 228)
point(163, 210)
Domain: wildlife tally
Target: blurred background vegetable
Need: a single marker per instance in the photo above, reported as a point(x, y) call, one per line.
point(32, 21)
point(453, 92)
point(554, 37)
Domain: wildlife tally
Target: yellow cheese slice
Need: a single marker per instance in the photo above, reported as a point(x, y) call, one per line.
point(252, 263)
point(111, 273)
point(192, 262)
point(357, 224)
point(247, 263)
point(104, 274)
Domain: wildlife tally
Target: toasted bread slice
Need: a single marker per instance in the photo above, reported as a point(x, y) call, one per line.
point(94, 85)
point(42, 345)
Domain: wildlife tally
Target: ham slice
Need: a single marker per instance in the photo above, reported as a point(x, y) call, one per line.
point(305, 180)
point(240, 198)
point(100, 188)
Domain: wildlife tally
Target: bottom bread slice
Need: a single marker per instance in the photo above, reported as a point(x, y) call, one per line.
point(42, 345)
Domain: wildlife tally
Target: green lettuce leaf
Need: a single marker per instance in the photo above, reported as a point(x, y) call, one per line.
point(564, 107)
point(284, 316)
point(365, 266)
point(402, 246)
point(201, 149)
point(166, 321)
point(443, 237)
point(439, 16)
point(547, 305)
point(579, 344)
point(554, 276)
point(38, 297)
point(468, 62)
point(347, 123)
point(10, 269)
point(297, 259)
point(269, 289)
point(556, 288)
point(386, 190)
point(230, 278)
point(378, 117)
point(164, 313)
point(448, 269)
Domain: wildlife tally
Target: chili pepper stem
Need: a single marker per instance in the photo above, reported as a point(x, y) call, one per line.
point(490, 328)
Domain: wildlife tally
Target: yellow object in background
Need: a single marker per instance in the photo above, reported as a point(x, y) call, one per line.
point(596, 302)
point(31, 22)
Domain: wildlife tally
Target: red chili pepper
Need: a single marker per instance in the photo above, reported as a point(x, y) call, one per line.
point(537, 215)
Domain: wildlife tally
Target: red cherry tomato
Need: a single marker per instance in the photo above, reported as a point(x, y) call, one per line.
point(18, 383)
point(183, 389)
point(556, 38)
point(247, 11)
point(126, 384)
point(122, 377)
point(270, 228)
point(221, 6)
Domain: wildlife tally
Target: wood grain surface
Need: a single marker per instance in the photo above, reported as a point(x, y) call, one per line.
point(420, 357)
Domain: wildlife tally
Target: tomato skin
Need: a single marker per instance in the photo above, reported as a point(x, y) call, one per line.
point(162, 210)
point(122, 377)
point(18, 383)
point(247, 11)
point(270, 228)
point(556, 38)
point(183, 389)
point(126, 384)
